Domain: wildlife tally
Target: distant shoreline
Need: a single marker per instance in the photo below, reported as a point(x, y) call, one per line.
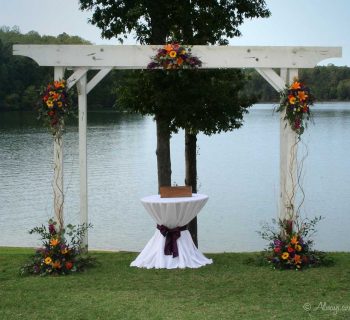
point(111, 109)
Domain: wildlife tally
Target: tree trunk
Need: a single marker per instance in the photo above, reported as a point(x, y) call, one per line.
point(191, 175)
point(163, 153)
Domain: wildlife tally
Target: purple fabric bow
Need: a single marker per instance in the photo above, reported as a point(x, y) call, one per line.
point(171, 235)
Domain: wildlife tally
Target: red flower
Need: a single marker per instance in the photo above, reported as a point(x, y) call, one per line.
point(277, 249)
point(69, 265)
point(290, 249)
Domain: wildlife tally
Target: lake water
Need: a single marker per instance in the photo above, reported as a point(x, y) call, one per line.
point(238, 170)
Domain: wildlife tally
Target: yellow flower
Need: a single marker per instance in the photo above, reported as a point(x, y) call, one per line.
point(64, 251)
point(59, 103)
point(49, 103)
point(48, 260)
point(54, 242)
point(172, 54)
point(285, 255)
point(298, 247)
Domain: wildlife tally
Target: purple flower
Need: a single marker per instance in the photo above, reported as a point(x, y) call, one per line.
point(52, 229)
point(36, 269)
point(278, 243)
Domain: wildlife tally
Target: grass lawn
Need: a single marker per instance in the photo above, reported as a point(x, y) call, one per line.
point(228, 289)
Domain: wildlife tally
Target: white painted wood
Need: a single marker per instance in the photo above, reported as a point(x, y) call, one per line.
point(288, 160)
point(138, 56)
point(82, 100)
point(272, 78)
point(58, 194)
point(74, 78)
point(97, 78)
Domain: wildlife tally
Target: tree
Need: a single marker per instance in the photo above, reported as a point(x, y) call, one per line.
point(192, 22)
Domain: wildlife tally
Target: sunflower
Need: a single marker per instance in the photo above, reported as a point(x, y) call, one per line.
point(48, 260)
point(49, 103)
point(172, 54)
point(285, 255)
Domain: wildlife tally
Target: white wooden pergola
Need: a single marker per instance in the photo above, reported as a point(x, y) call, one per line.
point(81, 58)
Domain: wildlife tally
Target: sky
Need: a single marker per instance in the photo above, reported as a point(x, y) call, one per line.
point(292, 23)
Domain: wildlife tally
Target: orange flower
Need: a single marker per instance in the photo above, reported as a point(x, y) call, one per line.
point(56, 265)
point(294, 240)
point(297, 259)
point(180, 61)
point(168, 47)
point(55, 96)
point(292, 99)
point(59, 84)
point(172, 54)
point(295, 85)
point(54, 242)
point(302, 95)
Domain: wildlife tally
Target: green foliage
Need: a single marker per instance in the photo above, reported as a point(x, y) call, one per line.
point(328, 83)
point(21, 78)
point(154, 21)
point(208, 101)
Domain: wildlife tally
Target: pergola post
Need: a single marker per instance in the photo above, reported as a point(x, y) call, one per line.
point(58, 166)
point(288, 159)
point(82, 101)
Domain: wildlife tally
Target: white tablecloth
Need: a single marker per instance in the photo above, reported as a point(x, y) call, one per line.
point(172, 212)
